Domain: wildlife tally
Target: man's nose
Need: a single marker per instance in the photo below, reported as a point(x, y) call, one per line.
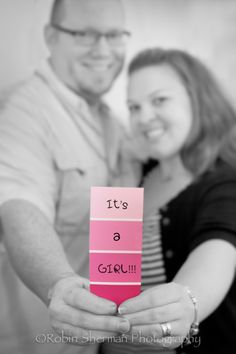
point(102, 46)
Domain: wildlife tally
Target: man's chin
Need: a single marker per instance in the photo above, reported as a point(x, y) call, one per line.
point(92, 95)
point(100, 88)
point(95, 88)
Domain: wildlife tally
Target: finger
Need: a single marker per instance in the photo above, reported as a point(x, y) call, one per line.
point(160, 314)
point(178, 329)
point(85, 283)
point(85, 320)
point(157, 296)
point(84, 300)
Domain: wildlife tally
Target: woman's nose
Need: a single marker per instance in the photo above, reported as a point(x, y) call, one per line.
point(146, 115)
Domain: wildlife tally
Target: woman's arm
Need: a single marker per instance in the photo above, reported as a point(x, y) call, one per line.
point(209, 272)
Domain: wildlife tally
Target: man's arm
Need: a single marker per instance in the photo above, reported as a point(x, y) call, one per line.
point(35, 250)
point(38, 258)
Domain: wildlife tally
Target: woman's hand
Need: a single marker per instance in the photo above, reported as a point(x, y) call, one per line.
point(82, 316)
point(163, 304)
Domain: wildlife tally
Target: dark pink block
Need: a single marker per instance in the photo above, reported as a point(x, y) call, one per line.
point(115, 267)
point(103, 235)
point(116, 293)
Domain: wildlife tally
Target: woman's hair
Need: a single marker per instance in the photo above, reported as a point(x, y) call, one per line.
point(213, 115)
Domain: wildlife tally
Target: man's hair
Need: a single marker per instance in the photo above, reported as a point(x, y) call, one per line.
point(213, 115)
point(57, 12)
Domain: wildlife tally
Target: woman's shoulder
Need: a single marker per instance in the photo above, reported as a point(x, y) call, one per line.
point(216, 182)
point(220, 173)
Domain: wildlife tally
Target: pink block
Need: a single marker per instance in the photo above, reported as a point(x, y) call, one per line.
point(116, 293)
point(111, 267)
point(116, 235)
point(116, 203)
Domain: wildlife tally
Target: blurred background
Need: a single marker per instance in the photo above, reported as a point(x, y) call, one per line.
point(206, 28)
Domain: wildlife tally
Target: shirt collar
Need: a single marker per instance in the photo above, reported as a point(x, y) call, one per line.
point(76, 101)
point(73, 99)
point(111, 131)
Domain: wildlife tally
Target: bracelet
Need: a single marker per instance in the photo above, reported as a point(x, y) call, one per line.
point(194, 328)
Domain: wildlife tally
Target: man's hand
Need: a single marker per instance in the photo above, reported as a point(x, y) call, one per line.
point(77, 313)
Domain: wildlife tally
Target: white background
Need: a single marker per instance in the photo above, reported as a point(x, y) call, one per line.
point(206, 28)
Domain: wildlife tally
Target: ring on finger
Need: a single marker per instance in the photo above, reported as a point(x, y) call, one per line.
point(166, 329)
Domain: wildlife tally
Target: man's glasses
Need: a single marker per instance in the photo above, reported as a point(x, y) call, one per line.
point(89, 38)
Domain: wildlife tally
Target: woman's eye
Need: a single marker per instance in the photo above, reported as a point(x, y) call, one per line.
point(133, 108)
point(157, 101)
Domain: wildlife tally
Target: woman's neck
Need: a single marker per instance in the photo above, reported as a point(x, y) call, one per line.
point(173, 169)
point(164, 183)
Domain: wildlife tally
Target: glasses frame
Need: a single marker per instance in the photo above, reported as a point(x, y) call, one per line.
point(97, 35)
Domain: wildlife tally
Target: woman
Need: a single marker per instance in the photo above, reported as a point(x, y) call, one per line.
point(183, 120)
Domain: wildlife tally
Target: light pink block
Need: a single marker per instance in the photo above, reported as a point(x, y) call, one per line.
point(116, 235)
point(110, 267)
point(116, 293)
point(128, 205)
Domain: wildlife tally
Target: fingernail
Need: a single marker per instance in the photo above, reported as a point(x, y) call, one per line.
point(121, 310)
point(124, 326)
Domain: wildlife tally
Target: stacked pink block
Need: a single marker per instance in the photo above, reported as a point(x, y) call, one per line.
point(116, 220)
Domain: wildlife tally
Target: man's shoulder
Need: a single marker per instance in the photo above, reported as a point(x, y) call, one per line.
point(28, 92)
point(27, 105)
point(29, 102)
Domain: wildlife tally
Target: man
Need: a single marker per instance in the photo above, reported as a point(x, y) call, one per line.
point(56, 140)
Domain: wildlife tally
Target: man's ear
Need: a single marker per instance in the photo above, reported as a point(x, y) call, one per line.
point(50, 36)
